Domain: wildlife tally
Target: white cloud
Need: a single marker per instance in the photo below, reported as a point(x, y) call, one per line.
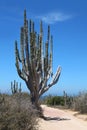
point(54, 17)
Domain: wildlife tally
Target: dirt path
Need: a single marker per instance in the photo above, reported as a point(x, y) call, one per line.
point(61, 120)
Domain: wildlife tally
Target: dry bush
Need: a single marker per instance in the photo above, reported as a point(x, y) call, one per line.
point(80, 102)
point(17, 113)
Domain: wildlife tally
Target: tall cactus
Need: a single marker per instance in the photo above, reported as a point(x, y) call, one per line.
point(14, 87)
point(34, 62)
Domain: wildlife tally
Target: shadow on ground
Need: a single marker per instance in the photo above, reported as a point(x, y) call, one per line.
point(55, 118)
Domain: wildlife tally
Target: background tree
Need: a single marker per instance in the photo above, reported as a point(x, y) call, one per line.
point(34, 62)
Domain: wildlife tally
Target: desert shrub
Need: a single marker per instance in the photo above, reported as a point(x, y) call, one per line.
point(68, 102)
point(54, 100)
point(80, 102)
point(17, 113)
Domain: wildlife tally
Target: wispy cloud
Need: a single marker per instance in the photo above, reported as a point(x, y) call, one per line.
point(54, 17)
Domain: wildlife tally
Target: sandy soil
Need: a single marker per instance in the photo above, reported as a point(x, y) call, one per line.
point(62, 120)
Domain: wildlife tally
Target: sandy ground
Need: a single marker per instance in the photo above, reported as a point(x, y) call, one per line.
point(62, 120)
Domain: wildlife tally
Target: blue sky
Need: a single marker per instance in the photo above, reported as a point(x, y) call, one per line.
point(68, 21)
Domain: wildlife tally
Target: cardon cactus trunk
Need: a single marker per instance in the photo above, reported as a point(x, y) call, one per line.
point(34, 61)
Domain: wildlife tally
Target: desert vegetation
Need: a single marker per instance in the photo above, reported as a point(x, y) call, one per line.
point(77, 103)
point(80, 102)
point(15, 87)
point(17, 112)
point(53, 100)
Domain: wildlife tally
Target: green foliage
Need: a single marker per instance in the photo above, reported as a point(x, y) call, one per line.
point(78, 103)
point(64, 101)
point(17, 113)
point(54, 100)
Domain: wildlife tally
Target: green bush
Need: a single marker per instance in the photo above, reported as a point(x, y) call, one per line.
point(54, 100)
point(17, 113)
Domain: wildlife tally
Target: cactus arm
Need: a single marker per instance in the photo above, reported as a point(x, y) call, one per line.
point(53, 82)
point(27, 48)
point(17, 62)
point(55, 77)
